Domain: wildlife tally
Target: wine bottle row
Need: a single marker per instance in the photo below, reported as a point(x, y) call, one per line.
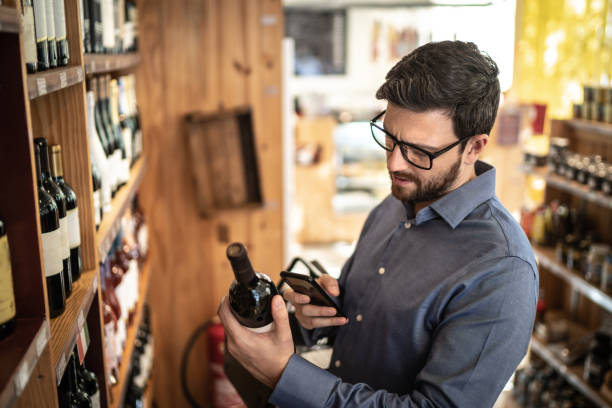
point(59, 222)
point(120, 277)
point(142, 364)
point(108, 28)
point(115, 139)
point(79, 387)
point(45, 41)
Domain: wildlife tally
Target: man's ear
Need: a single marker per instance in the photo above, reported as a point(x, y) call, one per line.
point(474, 148)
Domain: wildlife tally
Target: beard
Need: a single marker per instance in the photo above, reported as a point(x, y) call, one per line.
point(425, 190)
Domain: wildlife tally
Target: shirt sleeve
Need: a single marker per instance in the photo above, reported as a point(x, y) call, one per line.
point(477, 342)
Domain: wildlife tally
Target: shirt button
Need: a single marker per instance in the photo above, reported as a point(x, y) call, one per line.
point(359, 318)
point(407, 225)
point(337, 363)
point(381, 271)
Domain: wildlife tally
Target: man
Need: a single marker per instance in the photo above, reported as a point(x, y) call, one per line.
point(441, 290)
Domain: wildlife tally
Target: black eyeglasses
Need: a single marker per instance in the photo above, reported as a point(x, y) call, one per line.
point(413, 154)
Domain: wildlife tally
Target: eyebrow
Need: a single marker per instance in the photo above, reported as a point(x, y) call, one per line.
point(422, 146)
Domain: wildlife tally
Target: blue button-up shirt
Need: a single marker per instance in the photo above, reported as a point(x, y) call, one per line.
point(441, 308)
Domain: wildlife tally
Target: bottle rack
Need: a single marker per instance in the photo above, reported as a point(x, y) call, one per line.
point(51, 104)
point(565, 288)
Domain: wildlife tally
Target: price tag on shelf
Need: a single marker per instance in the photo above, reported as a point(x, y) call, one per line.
point(107, 64)
point(41, 85)
point(93, 66)
point(79, 74)
point(21, 379)
point(41, 340)
point(94, 284)
point(80, 320)
point(61, 367)
point(63, 80)
point(268, 20)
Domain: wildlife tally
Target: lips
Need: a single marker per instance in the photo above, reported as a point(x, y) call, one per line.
point(402, 181)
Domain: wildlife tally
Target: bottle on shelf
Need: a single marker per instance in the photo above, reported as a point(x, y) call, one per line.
point(108, 26)
point(113, 97)
point(106, 135)
point(40, 29)
point(95, 26)
point(52, 45)
point(142, 363)
point(69, 393)
point(98, 148)
point(60, 199)
point(88, 382)
point(61, 38)
point(29, 36)
point(8, 311)
point(251, 294)
point(85, 24)
point(97, 199)
point(114, 132)
point(72, 212)
point(51, 244)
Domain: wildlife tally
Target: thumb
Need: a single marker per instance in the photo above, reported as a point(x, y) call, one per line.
point(281, 318)
point(330, 285)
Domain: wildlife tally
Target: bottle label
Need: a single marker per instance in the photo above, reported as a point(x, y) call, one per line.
point(96, 198)
point(65, 240)
point(52, 252)
point(7, 296)
point(74, 229)
point(60, 20)
point(40, 19)
point(263, 329)
point(29, 37)
point(108, 24)
point(50, 22)
point(95, 400)
point(109, 345)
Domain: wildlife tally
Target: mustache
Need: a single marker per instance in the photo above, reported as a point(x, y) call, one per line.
point(405, 176)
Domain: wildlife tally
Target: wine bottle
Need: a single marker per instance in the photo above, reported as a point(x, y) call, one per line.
point(251, 294)
point(60, 200)
point(88, 382)
point(114, 133)
point(104, 130)
point(29, 36)
point(51, 244)
point(97, 187)
point(119, 134)
point(40, 28)
point(72, 212)
point(52, 46)
point(78, 397)
point(86, 24)
point(61, 39)
point(7, 295)
point(97, 151)
point(108, 26)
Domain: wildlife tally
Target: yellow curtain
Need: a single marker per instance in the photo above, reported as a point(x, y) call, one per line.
point(561, 45)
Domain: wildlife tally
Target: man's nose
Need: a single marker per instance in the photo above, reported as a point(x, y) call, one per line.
point(395, 160)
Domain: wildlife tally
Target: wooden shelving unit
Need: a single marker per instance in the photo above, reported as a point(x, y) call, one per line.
point(119, 390)
point(51, 104)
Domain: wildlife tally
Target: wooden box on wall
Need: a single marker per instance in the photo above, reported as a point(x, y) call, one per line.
point(223, 160)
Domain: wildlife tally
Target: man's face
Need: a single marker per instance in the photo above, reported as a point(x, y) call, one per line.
point(432, 131)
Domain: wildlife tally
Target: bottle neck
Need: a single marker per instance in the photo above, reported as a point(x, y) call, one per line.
point(57, 171)
point(37, 161)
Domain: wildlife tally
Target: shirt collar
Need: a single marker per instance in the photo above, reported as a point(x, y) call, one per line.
point(459, 203)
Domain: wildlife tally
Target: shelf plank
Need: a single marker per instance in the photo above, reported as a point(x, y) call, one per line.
point(148, 395)
point(570, 186)
point(111, 222)
point(19, 354)
point(591, 126)
point(120, 389)
point(65, 327)
point(104, 63)
point(573, 374)
point(45, 82)
point(546, 258)
point(9, 20)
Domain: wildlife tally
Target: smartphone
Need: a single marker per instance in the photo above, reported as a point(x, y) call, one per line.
point(306, 285)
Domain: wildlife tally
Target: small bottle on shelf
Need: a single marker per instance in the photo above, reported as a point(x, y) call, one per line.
point(8, 311)
point(72, 212)
point(61, 38)
point(69, 393)
point(51, 244)
point(29, 36)
point(40, 29)
point(52, 45)
point(88, 382)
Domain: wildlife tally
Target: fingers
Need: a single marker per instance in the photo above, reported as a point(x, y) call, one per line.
point(317, 322)
point(227, 318)
point(296, 298)
point(330, 285)
point(317, 311)
point(281, 318)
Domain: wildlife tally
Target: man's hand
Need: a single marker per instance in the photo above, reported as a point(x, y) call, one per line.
point(311, 316)
point(264, 355)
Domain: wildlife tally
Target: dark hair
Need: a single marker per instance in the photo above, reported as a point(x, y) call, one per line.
point(453, 76)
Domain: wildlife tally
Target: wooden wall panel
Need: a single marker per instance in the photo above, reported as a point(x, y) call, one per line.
point(201, 55)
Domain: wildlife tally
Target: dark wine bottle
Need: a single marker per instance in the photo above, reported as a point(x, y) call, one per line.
point(29, 36)
point(60, 200)
point(61, 39)
point(7, 295)
point(97, 194)
point(95, 23)
point(115, 153)
point(251, 294)
point(40, 28)
point(72, 212)
point(88, 382)
point(77, 397)
point(52, 46)
point(51, 244)
point(86, 26)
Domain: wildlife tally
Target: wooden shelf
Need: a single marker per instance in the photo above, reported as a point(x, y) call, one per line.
point(148, 396)
point(573, 374)
point(10, 21)
point(119, 390)
point(570, 186)
point(111, 222)
point(103, 63)
point(591, 126)
point(19, 354)
point(546, 257)
point(65, 327)
point(45, 82)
